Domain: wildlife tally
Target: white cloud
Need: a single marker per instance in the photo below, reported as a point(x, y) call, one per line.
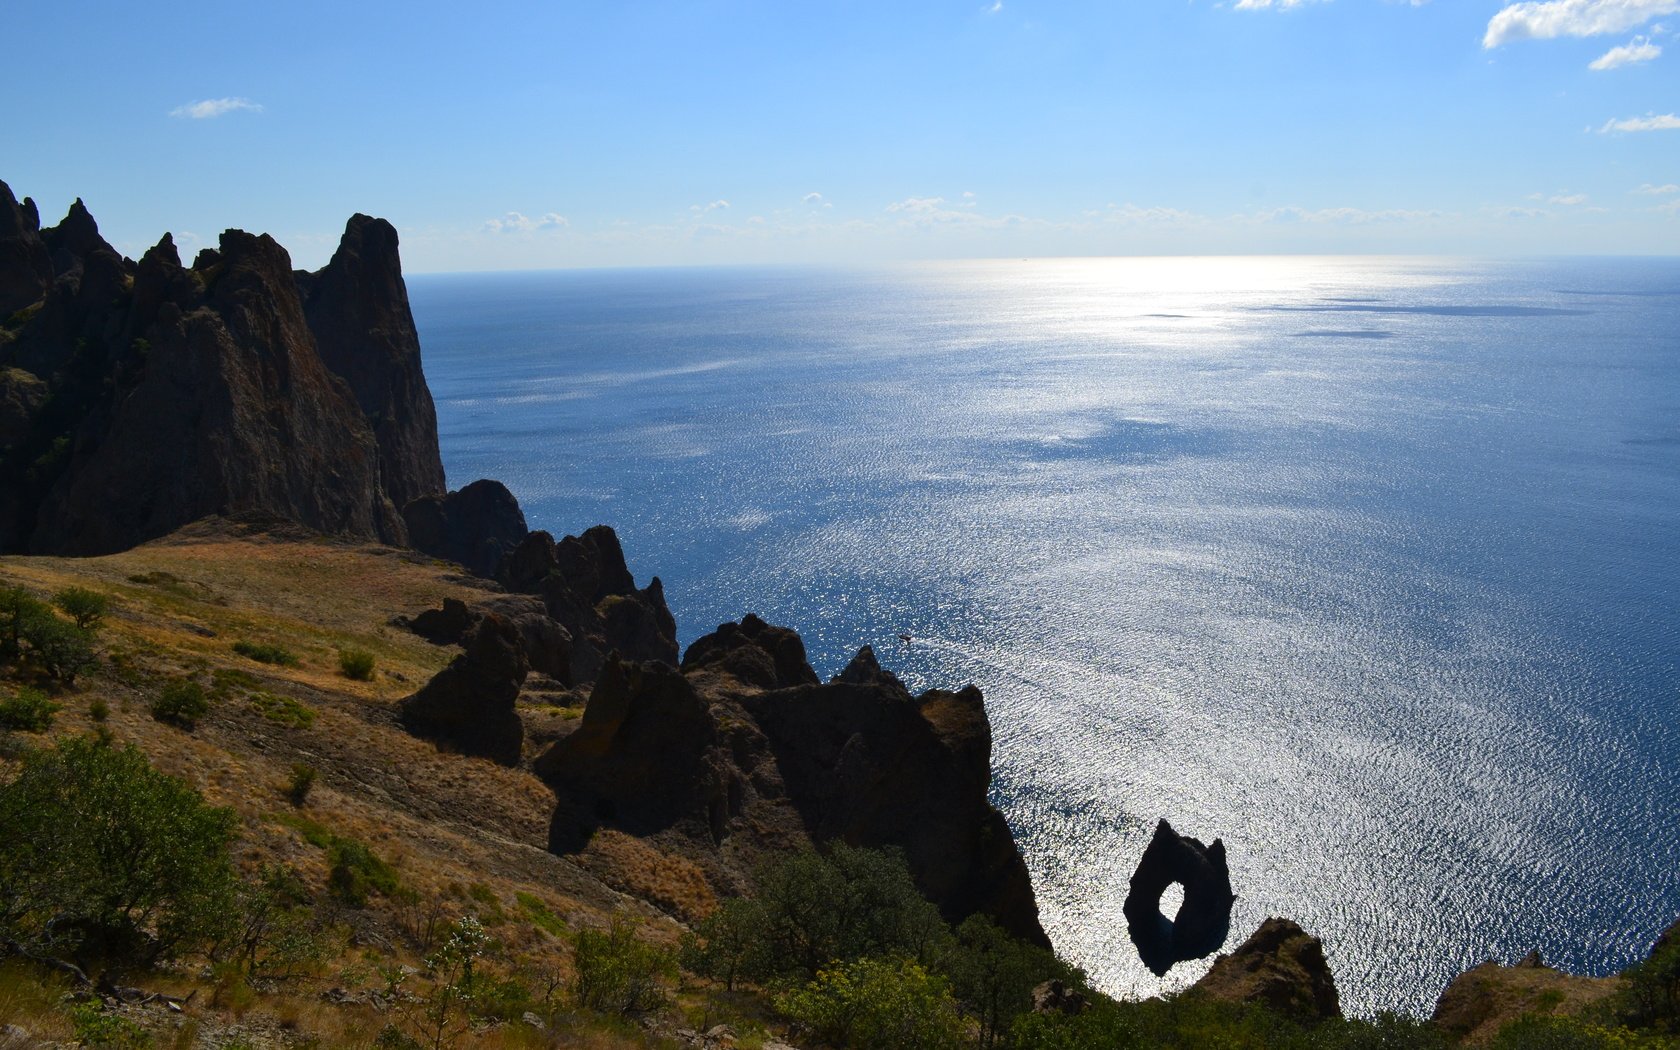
point(1569, 198)
point(1261, 5)
point(994, 7)
point(813, 198)
point(515, 222)
point(918, 205)
point(1639, 49)
point(1664, 122)
point(1546, 20)
point(1658, 191)
point(213, 107)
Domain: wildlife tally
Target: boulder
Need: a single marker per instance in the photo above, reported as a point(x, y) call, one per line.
point(1281, 967)
point(476, 526)
point(753, 653)
point(469, 705)
point(1204, 918)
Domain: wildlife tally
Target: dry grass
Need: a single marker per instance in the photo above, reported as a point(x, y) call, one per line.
point(442, 821)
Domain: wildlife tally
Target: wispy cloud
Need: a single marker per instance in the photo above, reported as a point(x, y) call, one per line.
point(515, 222)
point(1554, 18)
point(1658, 191)
point(1652, 122)
point(1261, 5)
point(1569, 199)
point(812, 198)
point(213, 107)
point(994, 7)
point(702, 209)
point(1639, 49)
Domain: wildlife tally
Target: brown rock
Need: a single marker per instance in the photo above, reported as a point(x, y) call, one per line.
point(469, 705)
point(1482, 1000)
point(753, 653)
point(1281, 967)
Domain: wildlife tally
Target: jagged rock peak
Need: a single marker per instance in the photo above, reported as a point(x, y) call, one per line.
point(469, 705)
point(1282, 967)
point(164, 251)
point(25, 265)
point(754, 653)
point(476, 526)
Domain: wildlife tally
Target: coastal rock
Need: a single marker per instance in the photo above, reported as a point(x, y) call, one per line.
point(476, 526)
point(546, 644)
point(1058, 997)
point(1281, 967)
point(357, 308)
point(174, 395)
point(447, 625)
point(644, 758)
point(469, 705)
point(1203, 920)
point(753, 653)
point(21, 396)
point(1482, 1000)
point(868, 764)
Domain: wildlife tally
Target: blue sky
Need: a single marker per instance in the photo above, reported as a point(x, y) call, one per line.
point(651, 133)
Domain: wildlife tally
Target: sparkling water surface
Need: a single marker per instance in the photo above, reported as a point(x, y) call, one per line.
point(1370, 567)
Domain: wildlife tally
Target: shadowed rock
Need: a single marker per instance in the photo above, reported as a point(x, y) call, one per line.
point(469, 705)
point(175, 394)
point(1203, 920)
point(476, 526)
point(1281, 967)
point(754, 653)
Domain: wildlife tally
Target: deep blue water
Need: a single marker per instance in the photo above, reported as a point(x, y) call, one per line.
point(1370, 567)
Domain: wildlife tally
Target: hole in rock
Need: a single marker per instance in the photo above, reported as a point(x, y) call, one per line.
point(1172, 898)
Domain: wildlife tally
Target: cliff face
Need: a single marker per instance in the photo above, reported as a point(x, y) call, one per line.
point(139, 397)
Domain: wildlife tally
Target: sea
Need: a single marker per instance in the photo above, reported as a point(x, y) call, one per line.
point(1369, 567)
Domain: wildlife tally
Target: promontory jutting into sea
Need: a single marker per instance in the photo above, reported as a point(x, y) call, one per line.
point(1366, 566)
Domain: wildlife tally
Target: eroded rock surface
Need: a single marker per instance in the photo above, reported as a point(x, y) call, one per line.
point(1204, 918)
point(1280, 966)
point(174, 394)
point(469, 705)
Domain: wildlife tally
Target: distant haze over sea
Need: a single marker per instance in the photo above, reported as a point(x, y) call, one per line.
point(1370, 567)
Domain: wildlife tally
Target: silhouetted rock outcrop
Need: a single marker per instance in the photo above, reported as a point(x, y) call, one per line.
point(1204, 918)
point(476, 526)
point(469, 705)
point(745, 752)
point(1281, 967)
point(176, 394)
point(357, 306)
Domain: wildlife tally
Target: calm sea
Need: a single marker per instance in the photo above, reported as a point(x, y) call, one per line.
point(1370, 567)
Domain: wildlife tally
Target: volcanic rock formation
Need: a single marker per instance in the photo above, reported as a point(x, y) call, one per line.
point(135, 398)
point(1281, 967)
point(1204, 918)
point(744, 751)
point(469, 705)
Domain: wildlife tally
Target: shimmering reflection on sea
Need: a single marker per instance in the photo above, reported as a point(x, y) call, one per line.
point(1371, 567)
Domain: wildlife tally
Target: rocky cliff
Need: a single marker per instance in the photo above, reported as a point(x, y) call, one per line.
point(138, 397)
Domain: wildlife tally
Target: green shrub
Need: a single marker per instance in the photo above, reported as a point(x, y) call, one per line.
point(356, 663)
point(106, 1031)
point(878, 1004)
point(354, 871)
point(29, 711)
point(844, 904)
point(303, 779)
point(266, 653)
point(1652, 995)
point(28, 627)
point(1539, 1032)
point(98, 709)
point(182, 702)
point(617, 972)
point(86, 607)
point(107, 860)
point(993, 974)
point(283, 710)
point(728, 945)
point(540, 915)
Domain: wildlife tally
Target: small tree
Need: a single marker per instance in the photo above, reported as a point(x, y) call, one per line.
point(182, 702)
point(356, 663)
point(29, 710)
point(108, 861)
point(618, 972)
point(878, 1004)
point(86, 607)
point(728, 944)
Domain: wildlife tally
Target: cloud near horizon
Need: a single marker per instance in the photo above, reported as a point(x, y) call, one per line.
point(514, 222)
point(1652, 122)
point(213, 107)
point(1547, 20)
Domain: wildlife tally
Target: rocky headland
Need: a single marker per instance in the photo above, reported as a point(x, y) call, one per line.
point(238, 449)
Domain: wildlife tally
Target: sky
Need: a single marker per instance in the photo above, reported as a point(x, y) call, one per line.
point(630, 133)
